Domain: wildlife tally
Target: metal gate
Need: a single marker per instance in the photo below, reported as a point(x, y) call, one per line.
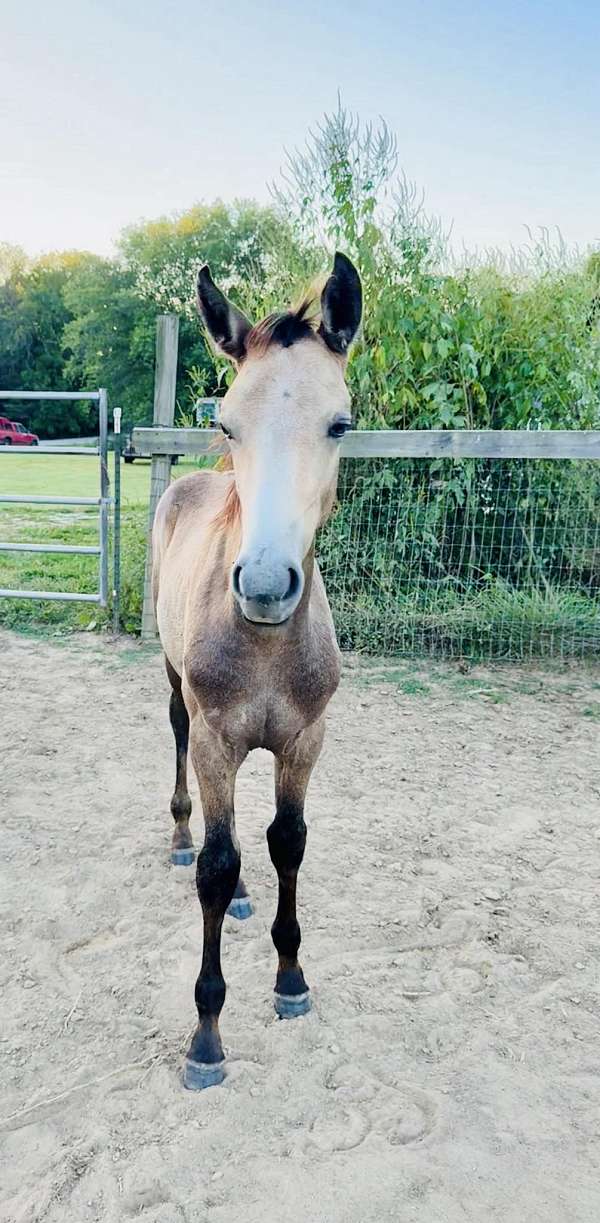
point(102, 501)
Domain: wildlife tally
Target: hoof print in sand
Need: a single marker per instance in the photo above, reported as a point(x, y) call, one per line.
point(340, 1129)
point(366, 1101)
point(414, 1120)
point(461, 979)
point(405, 1114)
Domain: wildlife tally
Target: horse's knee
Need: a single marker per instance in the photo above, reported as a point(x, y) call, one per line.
point(286, 936)
point(210, 994)
point(218, 870)
point(181, 807)
point(286, 838)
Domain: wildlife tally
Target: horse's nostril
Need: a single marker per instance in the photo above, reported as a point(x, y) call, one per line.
point(294, 584)
point(235, 579)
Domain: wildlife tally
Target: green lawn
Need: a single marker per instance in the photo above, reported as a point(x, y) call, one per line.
point(69, 476)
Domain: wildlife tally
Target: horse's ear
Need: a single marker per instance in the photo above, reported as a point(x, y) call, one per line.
point(341, 305)
point(226, 325)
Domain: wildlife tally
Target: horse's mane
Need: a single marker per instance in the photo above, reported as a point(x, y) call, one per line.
point(229, 515)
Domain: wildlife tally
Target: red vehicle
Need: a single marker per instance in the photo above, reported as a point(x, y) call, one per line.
point(13, 433)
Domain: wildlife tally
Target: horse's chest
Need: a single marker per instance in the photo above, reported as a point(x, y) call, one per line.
point(263, 720)
point(253, 703)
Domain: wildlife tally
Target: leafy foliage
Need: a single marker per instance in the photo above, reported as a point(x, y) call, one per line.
point(76, 321)
point(480, 345)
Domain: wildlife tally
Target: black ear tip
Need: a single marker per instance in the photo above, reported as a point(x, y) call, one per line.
point(343, 266)
point(204, 275)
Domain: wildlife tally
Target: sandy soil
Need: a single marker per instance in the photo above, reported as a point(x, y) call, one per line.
point(450, 1068)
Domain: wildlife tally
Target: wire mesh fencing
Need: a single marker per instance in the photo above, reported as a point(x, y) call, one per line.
point(475, 558)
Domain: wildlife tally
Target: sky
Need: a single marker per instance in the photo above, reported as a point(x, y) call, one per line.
point(111, 112)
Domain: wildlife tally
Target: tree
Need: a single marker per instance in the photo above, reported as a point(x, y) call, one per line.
point(109, 336)
point(33, 315)
point(13, 260)
point(244, 245)
point(72, 321)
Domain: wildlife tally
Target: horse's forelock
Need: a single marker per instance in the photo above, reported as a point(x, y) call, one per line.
point(284, 328)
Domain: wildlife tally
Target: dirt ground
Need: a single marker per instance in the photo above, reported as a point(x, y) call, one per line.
point(450, 1067)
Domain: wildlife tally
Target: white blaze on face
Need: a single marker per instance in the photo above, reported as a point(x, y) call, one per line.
point(269, 491)
point(279, 412)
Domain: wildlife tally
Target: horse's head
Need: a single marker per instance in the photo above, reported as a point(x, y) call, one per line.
point(284, 416)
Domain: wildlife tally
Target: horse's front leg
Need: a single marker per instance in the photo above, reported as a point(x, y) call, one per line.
point(217, 875)
point(287, 837)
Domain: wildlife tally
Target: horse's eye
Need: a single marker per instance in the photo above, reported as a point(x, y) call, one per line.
point(338, 427)
point(225, 431)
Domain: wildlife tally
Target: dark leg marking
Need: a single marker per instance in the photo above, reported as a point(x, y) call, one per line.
point(217, 874)
point(286, 837)
point(182, 849)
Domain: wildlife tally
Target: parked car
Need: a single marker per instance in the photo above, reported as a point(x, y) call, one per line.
point(13, 433)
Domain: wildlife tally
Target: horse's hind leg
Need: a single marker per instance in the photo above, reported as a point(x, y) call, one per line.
point(240, 906)
point(182, 849)
point(287, 837)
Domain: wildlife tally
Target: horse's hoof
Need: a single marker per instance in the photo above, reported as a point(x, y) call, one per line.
point(183, 857)
point(240, 907)
point(198, 1075)
point(289, 1006)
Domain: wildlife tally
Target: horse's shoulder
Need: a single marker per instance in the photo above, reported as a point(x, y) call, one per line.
point(315, 672)
point(189, 494)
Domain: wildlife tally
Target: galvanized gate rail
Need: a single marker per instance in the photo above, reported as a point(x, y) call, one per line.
point(102, 502)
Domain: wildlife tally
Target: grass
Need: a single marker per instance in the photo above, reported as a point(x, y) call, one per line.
point(67, 475)
point(498, 621)
point(491, 684)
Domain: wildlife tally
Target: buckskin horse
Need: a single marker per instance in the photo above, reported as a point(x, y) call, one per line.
point(243, 617)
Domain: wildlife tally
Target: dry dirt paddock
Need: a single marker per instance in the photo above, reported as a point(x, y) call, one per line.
point(450, 1068)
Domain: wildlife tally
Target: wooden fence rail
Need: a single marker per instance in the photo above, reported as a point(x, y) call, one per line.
point(401, 444)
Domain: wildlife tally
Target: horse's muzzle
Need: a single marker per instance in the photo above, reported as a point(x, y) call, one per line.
point(268, 589)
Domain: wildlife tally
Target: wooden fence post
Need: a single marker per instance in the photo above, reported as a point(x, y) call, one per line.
point(165, 379)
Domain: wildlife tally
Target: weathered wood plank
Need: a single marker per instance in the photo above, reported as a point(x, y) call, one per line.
point(463, 444)
point(393, 443)
point(149, 441)
point(165, 379)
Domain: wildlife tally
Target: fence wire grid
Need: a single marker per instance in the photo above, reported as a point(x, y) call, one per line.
point(477, 558)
